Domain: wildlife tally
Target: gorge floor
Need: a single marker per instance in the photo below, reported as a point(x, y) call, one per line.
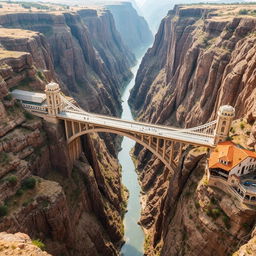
point(134, 236)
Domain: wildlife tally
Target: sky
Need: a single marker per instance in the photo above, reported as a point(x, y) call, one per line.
point(140, 2)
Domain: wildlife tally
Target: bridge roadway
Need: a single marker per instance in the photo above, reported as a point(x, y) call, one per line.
point(160, 131)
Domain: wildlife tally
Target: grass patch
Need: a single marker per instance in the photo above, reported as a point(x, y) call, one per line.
point(38, 243)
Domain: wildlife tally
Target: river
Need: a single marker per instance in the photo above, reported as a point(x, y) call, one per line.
point(134, 235)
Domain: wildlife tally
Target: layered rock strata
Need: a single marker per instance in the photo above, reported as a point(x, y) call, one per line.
point(202, 58)
point(74, 210)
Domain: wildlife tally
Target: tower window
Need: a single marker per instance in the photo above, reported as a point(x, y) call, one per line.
point(223, 129)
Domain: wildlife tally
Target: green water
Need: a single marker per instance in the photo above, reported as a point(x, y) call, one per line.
point(134, 235)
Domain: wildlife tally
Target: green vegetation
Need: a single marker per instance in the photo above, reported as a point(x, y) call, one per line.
point(229, 138)
point(243, 12)
point(38, 243)
point(40, 74)
point(29, 5)
point(3, 210)
point(27, 202)
point(19, 192)
point(8, 97)
point(4, 158)
point(242, 126)
point(214, 213)
point(12, 180)
point(28, 115)
point(226, 221)
point(29, 183)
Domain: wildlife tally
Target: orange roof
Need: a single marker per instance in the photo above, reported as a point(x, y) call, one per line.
point(230, 153)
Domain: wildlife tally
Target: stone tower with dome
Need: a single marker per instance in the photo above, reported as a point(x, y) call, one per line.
point(53, 98)
point(226, 115)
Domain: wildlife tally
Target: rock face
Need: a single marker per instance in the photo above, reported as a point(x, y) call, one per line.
point(70, 51)
point(133, 28)
point(75, 210)
point(114, 54)
point(19, 244)
point(205, 63)
point(202, 57)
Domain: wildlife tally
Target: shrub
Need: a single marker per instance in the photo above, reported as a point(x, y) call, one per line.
point(242, 126)
point(12, 180)
point(19, 192)
point(28, 115)
point(229, 138)
point(4, 158)
point(243, 12)
point(3, 210)
point(226, 221)
point(8, 97)
point(29, 183)
point(38, 243)
point(216, 212)
point(213, 200)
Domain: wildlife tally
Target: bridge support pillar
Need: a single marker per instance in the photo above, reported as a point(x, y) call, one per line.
point(171, 151)
point(74, 150)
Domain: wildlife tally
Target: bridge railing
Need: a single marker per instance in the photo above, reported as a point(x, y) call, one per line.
point(35, 108)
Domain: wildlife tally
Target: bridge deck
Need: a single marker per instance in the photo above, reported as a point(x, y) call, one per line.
point(159, 131)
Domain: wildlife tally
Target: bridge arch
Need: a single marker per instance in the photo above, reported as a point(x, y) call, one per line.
point(169, 163)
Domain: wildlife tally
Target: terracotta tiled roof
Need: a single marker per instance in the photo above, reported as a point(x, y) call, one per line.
point(229, 152)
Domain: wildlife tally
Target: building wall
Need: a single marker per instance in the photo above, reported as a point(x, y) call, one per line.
point(249, 165)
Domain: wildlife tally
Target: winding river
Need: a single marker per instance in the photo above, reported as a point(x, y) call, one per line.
point(134, 235)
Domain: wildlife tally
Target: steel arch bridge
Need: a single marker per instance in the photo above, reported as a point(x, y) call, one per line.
point(158, 139)
point(164, 142)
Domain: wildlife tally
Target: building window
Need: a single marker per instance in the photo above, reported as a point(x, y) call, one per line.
point(224, 123)
point(223, 129)
point(242, 170)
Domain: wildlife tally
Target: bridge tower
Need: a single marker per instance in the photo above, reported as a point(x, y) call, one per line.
point(226, 115)
point(52, 91)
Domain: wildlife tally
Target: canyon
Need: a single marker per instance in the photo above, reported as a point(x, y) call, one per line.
point(74, 210)
point(203, 57)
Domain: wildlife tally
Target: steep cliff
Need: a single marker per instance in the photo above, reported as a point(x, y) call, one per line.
point(133, 28)
point(202, 57)
point(80, 69)
point(74, 211)
point(108, 43)
point(208, 60)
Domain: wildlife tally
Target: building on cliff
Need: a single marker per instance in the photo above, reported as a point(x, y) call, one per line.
point(233, 170)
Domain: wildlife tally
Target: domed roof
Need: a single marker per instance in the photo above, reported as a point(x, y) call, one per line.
point(227, 109)
point(52, 86)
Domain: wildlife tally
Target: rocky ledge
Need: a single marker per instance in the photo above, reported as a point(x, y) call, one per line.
point(19, 244)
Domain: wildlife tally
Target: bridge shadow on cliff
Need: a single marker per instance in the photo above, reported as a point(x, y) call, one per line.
point(130, 251)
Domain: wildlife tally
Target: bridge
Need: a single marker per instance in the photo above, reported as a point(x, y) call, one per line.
point(163, 141)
